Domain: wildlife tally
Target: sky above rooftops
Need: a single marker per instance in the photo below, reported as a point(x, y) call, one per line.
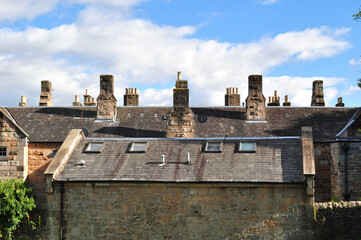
point(215, 44)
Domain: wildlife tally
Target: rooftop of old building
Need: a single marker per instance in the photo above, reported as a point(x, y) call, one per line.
point(52, 124)
point(273, 160)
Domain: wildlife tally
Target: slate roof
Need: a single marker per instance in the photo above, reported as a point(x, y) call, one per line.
point(275, 161)
point(52, 124)
point(5, 112)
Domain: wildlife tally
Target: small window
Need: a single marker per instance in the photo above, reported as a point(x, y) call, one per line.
point(155, 114)
point(247, 147)
point(213, 147)
point(2, 152)
point(94, 147)
point(138, 147)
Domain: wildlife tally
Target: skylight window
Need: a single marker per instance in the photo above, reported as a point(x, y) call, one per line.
point(247, 147)
point(213, 147)
point(138, 147)
point(94, 147)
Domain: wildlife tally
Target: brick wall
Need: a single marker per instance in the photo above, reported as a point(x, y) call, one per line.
point(351, 154)
point(39, 157)
point(179, 211)
point(322, 178)
point(340, 220)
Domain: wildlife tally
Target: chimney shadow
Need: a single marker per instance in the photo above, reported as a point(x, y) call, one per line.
point(128, 132)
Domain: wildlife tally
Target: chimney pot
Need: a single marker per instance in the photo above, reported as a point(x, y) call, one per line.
point(23, 102)
point(86, 91)
point(179, 76)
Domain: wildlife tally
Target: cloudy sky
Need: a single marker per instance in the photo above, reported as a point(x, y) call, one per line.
point(215, 44)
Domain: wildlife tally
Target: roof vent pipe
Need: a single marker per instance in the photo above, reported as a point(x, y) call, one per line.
point(163, 159)
point(188, 158)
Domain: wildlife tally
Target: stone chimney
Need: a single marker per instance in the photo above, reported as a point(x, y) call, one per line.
point(131, 97)
point(46, 98)
point(286, 103)
point(339, 102)
point(107, 103)
point(88, 99)
point(255, 102)
point(232, 98)
point(317, 93)
point(23, 102)
point(76, 103)
point(181, 123)
point(274, 101)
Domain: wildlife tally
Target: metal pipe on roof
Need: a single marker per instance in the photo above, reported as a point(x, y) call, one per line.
point(188, 158)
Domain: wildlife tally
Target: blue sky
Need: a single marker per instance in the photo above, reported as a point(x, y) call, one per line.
point(215, 44)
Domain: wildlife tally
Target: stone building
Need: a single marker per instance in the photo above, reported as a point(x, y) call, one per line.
point(182, 172)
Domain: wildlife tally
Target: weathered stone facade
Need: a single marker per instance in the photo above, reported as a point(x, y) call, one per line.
point(14, 148)
point(180, 211)
point(345, 170)
point(338, 220)
point(255, 102)
point(40, 155)
point(322, 178)
point(317, 94)
point(181, 121)
point(106, 102)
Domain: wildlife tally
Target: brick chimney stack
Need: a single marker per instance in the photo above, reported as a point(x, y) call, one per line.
point(131, 97)
point(232, 97)
point(46, 98)
point(317, 94)
point(88, 99)
point(23, 102)
point(255, 102)
point(106, 102)
point(274, 101)
point(339, 102)
point(181, 123)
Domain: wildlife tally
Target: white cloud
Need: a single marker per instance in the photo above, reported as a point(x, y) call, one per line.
point(354, 62)
point(299, 89)
point(268, 2)
point(24, 9)
point(142, 54)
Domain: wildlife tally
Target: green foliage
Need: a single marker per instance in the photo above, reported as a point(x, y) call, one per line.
point(16, 201)
point(335, 199)
point(357, 16)
point(359, 82)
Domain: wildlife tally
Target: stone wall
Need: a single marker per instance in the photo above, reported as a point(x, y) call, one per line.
point(322, 178)
point(180, 211)
point(338, 220)
point(14, 164)
point(39, 157)
point(343, 152)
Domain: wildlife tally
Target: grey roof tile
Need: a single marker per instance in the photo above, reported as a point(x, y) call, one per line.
point(52, 124)
point(275, 161)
